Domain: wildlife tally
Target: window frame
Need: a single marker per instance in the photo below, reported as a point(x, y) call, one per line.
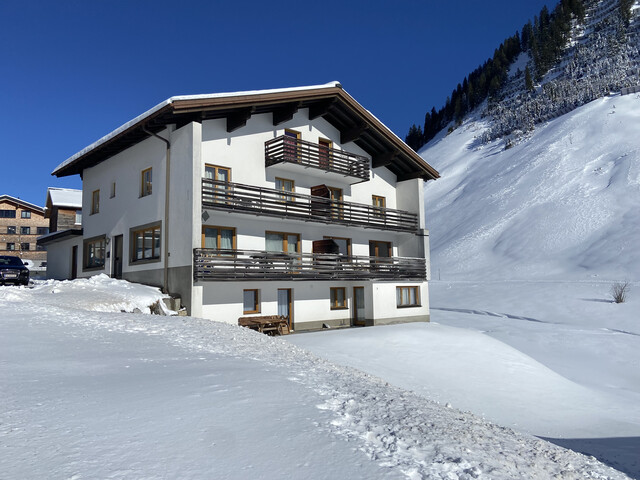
point(101, 242)
point(285, 241)
point(256, 300)
point(333, 237)
point(95, 202)
point(25, 214)
point(12, 232)
point(133, 232)
point(376, 243)
point(284, 195)
point(24, 246)
point(333, 298)
point(11, 246)
point(4, 213)
point(146, 186)
point(112, 192)
point(218, 238)
point(42, 231)
point(399, 296)
point(25, 230)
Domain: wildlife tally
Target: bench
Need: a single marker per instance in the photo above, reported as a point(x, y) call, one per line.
point(269, 324)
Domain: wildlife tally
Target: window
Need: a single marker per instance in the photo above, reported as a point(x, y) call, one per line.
point(251, 301)
point(7, 214)
point(378, 201)
point(380, 249)
point(407, 297)
point(113, 190)
point(43, 230)
point(25, 230)
point(78, 217)
point(11, 230)
point(291, 149)
point(282, 242)
point(218, 238)
point(95, 202)
point(344, 244)
point(24, 246)
point(145, 243)
point(335, 194)
point(11, 246)
point(94, 249)
point(217, 193)
point(286, 185)
point(324, 152)
point(40, 247)
point(338, 298)
point(25, 214)
point(145, 182)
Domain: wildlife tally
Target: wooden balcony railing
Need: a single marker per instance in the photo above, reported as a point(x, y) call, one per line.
point(218, 195)
point(212, 264)
point(308, 154)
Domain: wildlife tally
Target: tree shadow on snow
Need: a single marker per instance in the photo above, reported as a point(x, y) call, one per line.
point(621, 453)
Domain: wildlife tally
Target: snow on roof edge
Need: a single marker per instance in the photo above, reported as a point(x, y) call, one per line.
point(65, 197)
point(170, 100)
point(19, 200)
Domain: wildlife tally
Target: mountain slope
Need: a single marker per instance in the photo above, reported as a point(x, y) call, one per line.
point(563, 203)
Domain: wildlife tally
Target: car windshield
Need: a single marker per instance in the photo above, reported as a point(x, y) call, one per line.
point(10, 261)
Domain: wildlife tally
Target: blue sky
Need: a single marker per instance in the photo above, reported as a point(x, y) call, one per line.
point(73, 70)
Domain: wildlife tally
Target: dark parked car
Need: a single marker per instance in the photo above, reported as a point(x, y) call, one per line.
point(12, 270)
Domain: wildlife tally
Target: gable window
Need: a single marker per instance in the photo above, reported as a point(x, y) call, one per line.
point(407, 297)
point(11, 230)
point(282, 242)
point(145, 182)
point(7, 214)
point(251, 301)
point(324, 152)
point(11, 246)
point(24, 246)
point(338, 298)
point(286, 185)
point(25, 214)
point(43, 230)
point(219, 238)
point(145, 243)
point(95, 202)
point(25, 230)
point(94, 253)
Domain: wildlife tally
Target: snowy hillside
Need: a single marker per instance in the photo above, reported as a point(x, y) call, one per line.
point(562, 203)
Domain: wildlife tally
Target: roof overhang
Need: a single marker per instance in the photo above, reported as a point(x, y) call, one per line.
point(58, 236)
point(21, 203)
point(329, 101)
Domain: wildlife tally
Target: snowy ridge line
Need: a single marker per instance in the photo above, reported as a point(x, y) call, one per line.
point(396, 428)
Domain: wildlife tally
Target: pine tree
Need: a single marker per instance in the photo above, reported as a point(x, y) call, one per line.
point(625, 10)
point(528, 81)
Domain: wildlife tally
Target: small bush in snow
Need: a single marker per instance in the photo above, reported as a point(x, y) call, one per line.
point(619, 291)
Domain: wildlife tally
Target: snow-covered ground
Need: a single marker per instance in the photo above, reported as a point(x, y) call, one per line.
point(88, 392)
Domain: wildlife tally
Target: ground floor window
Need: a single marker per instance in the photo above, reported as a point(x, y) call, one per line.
point(251, 301)
point(24, 246)
point(11, 246)
point(407, 297)
point(338, 298)
point(145, 243)
point(94, 252)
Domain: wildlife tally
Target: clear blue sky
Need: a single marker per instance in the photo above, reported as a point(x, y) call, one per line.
point(73, 70)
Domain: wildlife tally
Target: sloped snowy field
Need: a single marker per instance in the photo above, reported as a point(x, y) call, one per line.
point(90, 393)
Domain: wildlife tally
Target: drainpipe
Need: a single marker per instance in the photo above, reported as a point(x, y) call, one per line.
point(165, 284)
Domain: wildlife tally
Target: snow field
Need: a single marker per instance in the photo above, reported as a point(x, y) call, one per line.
point(156, 397)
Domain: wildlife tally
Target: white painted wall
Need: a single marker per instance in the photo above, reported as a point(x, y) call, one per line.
point(59, 258)
point(384, 301)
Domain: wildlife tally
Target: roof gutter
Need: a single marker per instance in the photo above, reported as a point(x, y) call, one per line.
point(165, 281)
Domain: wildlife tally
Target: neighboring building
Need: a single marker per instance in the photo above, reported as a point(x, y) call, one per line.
point(21, 223)
point(294, 201)
point(63, 208)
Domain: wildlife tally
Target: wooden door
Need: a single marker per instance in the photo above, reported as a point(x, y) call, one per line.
point(358, 306)
point(116, 269)
point(285, 305)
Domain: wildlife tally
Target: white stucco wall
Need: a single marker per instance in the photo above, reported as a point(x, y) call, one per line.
point(59, 258)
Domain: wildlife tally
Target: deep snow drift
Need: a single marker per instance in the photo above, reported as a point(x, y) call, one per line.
point(94, 394)
point(564, 203)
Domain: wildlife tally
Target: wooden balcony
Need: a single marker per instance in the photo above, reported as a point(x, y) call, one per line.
point(219, 265)
point(292, 151)
point(218, 195)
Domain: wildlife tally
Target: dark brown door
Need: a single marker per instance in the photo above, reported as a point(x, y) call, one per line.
point(116, 269)
point(74, 262)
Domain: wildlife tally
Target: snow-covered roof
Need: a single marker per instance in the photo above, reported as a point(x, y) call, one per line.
point(21, 202)
point(174, 99)
point(64, 197)
point(328, 100)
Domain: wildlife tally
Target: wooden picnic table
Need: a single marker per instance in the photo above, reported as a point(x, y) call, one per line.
point(269, 324)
